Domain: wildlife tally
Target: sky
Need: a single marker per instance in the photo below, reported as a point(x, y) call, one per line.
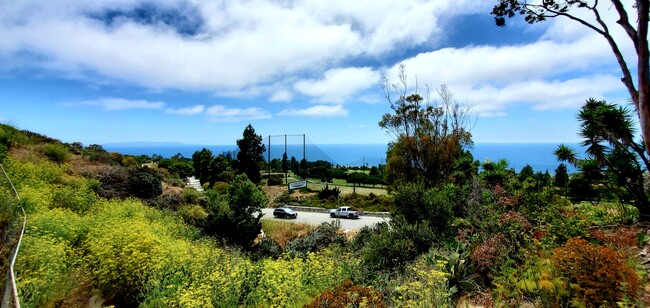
point(198, 72)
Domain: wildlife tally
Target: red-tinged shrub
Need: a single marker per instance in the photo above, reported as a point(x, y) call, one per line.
point(348, 295)
point(619, 238)
point(512, 217)
point(489, 253)
point(596, 274)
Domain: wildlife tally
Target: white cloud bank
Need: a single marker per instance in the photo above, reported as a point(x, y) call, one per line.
point(282, 50)
point(239, 44)
point(119, 104)
point(316, 111)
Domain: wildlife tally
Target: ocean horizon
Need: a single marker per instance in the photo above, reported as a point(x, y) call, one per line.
point(538, 155)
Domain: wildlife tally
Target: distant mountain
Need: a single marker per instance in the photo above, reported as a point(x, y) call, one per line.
point(145, 144)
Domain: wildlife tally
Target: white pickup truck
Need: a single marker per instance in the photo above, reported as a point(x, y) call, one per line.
point(344, 211)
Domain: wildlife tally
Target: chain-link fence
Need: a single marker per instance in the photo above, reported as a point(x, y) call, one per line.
point(12, 221)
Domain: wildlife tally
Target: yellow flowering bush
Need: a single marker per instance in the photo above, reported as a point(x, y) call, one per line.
point(424, 285)
point(295, 281)
point(197, 274)
point(43, 270)
point(61, 223)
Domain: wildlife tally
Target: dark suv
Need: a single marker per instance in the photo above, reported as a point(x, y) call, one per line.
point(284, 212)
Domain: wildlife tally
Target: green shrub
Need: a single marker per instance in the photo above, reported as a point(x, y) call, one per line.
point(57, 153)
point(75, 194)
point(191, 196)
point(266, 248)
point(144, 183)
point(193, 214)
point(275, 180)
point(327, 193)
point(323, 236)
point(393, 248)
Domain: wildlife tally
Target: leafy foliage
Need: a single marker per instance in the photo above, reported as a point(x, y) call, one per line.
point(144, 183)
point(348, 295)
point(596, 274)
point(323, 236)
point(235, 217)
point(55, 152)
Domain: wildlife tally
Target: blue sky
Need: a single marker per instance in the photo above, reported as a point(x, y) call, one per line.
point(198, 72)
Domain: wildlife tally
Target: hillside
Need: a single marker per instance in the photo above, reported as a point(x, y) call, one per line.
point(102, 230)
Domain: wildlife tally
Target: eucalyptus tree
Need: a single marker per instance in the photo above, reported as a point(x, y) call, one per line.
point(429, 136)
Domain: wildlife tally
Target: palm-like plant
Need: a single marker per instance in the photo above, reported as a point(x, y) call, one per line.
point(612, 154)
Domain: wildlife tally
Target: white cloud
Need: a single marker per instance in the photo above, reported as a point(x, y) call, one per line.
point(222, 113)
point(502, 65)
point(118, 104)
point(281, 96)
point(491, 101)
point(316, 111)
point(238, 45)
point(198, 109)
point(339, 84)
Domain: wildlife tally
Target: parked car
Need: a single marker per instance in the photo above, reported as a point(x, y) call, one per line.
point(345, 211)
point(284, 212)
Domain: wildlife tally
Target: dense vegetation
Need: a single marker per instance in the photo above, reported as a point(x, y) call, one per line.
point(103, 227)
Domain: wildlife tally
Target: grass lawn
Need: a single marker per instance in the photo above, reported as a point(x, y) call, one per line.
point(349, 189)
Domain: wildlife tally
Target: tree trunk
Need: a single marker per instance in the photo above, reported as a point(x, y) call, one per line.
point(644, 80)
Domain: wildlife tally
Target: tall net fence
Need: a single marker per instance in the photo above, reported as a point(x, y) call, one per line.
point(300, 146)
point(12, 224)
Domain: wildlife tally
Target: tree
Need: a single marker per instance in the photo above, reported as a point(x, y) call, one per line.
point(535, 11)
point(561, 177)
point(285, 163)
point(250, 154)
point(612, 157)
point(201, 161)
point(221, 170)
point(429, 136)
point(526, 172)
point(235, 217)
point(295, 167)
point(495, 173)
point(304, 173)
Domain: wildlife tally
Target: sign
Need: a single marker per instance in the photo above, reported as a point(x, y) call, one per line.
point(296, 185)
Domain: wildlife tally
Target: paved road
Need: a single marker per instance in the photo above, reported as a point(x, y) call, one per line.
point(314, 218)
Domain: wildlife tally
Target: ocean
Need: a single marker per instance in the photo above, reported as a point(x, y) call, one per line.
point(538, 155)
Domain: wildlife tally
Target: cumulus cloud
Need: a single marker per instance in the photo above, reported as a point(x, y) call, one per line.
point(490, 101)
point(198, 109)
point(118, 104)
point(221, 113)
point(339, 84)
point(234, 44)
point(316, 111)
